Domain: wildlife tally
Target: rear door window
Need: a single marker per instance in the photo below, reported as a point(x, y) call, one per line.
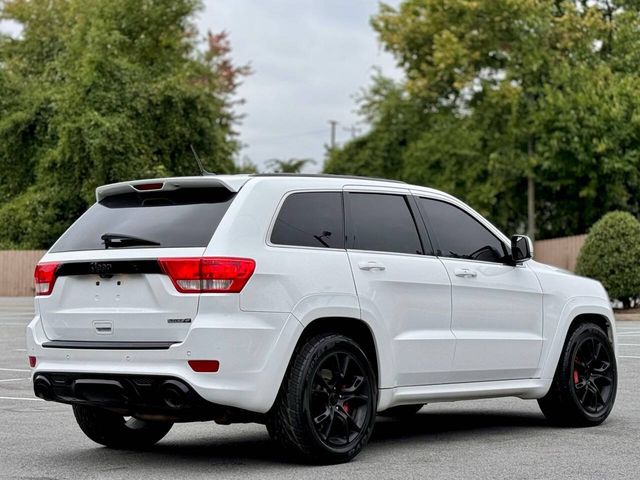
point(310, 219)
point(382, 222)
point(187, 217)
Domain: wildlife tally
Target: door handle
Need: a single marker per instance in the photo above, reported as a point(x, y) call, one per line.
point(465, 272)
point(371, 266)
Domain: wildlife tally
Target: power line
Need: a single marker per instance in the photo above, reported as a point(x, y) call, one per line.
point(353, 129)
point(291, 135)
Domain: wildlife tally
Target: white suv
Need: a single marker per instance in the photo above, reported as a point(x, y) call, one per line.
point(309, 304)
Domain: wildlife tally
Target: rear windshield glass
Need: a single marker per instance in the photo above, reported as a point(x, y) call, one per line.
point(180, 218)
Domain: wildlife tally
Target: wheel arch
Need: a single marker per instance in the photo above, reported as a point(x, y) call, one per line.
point(562, 405)
point(354, 328)
point(577, 311)
point(596, 318)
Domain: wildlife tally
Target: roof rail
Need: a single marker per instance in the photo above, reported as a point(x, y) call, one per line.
point(324, 175)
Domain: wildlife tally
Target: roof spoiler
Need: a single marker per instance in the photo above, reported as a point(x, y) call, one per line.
point(231, 183)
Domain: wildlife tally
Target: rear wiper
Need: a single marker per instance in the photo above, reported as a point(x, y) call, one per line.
point(117, 240)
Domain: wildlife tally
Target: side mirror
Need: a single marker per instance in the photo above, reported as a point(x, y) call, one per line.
point(521, 248)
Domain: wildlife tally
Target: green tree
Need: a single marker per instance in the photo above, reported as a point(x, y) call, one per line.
point(395, 123)
point(245, 165)
point(505, 95)
point(103, 91)
point(610, 254)
point(292, 165)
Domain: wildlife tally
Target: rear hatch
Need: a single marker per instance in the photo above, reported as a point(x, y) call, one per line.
point(109, 282)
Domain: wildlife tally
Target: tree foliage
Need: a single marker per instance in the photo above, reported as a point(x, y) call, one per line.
point(610, 254)
point(497, 92)
point(103, 91)
point(292, 165)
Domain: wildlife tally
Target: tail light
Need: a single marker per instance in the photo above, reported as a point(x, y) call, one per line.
point(45, 277)
point(208, 274)
point(204, 366)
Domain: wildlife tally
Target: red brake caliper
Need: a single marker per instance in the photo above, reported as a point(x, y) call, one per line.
point(345, 406)
point(576, 377)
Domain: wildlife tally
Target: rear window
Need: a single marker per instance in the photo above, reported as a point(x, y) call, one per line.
point(383, 223)
point(311, 219)
point(186, 217)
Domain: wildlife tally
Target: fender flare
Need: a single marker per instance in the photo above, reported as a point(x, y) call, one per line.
point(346, 306)
point(574, 308)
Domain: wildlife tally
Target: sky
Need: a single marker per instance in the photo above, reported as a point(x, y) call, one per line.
point(309, 59)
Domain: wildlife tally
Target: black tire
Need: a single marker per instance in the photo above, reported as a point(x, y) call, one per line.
point(584, 386)
point(325, 409)
point(401, 411)
point(111, 430)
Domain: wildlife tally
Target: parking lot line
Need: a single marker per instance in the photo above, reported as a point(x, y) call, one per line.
point(14, 370)
point(13, 379)
point(628, 356)
point(22, 398)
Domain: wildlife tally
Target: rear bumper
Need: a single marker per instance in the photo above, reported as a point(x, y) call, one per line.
point(131, 395)
point(253, 350)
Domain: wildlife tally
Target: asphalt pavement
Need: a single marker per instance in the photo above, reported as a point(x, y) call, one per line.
point(484, 439)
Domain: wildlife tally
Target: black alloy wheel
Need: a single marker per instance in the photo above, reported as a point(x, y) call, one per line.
point(326, 408)
point(339, 401)
point(593, 375)
point(584, 386)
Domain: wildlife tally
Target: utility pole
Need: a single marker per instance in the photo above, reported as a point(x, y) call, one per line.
point(333, 124)
point(353, 129)
point(531, 195)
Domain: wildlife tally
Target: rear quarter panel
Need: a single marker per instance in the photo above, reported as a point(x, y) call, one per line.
point(308, 283)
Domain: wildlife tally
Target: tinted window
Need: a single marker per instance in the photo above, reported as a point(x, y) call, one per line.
point(382, 223)
point(181, 218)
point(311, 219)
point(459, 235)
